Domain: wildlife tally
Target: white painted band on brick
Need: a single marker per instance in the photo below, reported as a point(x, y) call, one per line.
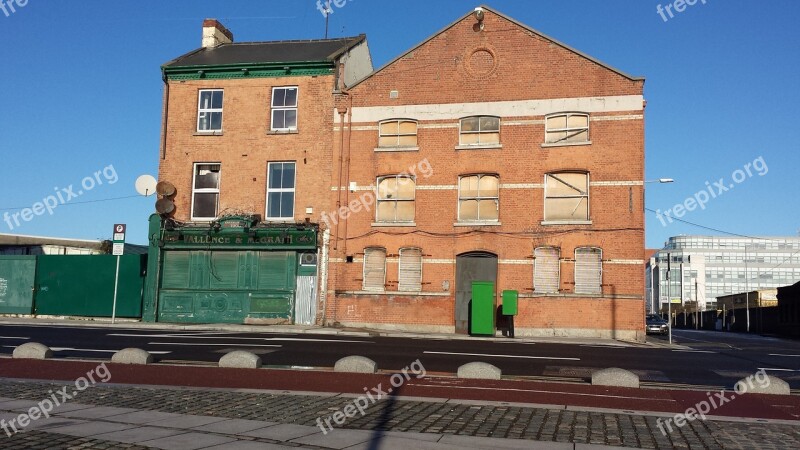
point(453, 187)
point(521, 108)
point(630, 262)
point(519, 262)
point(440, 126)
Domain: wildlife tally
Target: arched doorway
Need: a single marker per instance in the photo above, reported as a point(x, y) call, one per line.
point(471, 266)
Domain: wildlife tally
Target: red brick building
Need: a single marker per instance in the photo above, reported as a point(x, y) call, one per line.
point(489, 152)
point(246, 153)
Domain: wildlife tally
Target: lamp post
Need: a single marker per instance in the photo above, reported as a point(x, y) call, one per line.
point(746, 289)
point(669, 291)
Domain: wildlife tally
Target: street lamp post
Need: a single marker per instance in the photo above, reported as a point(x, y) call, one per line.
point(746, 289)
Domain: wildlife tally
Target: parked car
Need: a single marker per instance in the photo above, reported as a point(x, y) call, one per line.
point(655, 324)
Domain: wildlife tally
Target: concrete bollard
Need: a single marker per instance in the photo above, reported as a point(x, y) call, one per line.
point(32, 350)
point(770, 385)
point(355, 364)
point(615, 377)
point(132, 356)
point(479, 371)
point(240, 359)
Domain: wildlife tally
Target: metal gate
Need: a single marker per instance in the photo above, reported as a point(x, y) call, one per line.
point(473, 266)
point(305, 308)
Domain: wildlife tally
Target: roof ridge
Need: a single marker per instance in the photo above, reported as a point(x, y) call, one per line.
point(296, 41)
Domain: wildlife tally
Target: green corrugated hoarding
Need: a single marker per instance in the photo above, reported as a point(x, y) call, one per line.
point(16, 284)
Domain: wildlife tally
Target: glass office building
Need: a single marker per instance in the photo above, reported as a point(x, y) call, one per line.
point(703, 268)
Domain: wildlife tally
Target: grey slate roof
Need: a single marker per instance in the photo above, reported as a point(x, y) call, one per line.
point(268, 52)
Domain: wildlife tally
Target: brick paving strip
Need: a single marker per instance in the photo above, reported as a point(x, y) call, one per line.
point(165, 417)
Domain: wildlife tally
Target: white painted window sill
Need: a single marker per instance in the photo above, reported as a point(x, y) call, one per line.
point(208, 133)
point(394, 224)
point(396, 149)
point(480, 147)
point(477, 224)
point(567, 222)
point(281, 132)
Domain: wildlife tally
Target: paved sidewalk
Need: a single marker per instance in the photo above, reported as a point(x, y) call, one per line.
point(125, 416)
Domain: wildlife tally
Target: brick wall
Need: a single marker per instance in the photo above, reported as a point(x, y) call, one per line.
point(504, 63)
point(246, 145)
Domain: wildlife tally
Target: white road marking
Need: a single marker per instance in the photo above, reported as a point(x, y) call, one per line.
point(545, 392)
point(198, 344)
point(781, 354)
point(602, 346)
point(178, 336)
point(90, 350)
point(15, 337)
point(694, 351)
point(779, 370)
point(501, 356)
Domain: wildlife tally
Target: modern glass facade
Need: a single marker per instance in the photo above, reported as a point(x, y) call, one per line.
point(706, 267)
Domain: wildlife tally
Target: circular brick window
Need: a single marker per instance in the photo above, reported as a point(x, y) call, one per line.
point(481, 63)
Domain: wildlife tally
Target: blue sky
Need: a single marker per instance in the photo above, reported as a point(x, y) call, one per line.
point(82, 91)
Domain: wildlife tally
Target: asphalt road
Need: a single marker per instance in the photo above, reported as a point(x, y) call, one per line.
point(713, 359)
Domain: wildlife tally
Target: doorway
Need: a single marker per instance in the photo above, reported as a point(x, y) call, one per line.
point(472, 266)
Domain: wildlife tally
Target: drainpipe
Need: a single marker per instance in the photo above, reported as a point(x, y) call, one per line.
point(166, 113)
point(323, 275)
point(339, 184)
point(347, 179)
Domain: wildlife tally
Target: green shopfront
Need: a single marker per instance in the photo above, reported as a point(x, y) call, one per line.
point(233, 270)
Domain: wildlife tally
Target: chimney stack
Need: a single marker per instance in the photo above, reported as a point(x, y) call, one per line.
point(215, 34)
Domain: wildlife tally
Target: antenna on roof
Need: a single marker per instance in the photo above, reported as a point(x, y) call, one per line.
point(327, 12)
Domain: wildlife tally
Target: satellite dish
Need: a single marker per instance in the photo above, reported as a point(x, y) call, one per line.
point(165, 206)
point(146, 185)
point(165, 188)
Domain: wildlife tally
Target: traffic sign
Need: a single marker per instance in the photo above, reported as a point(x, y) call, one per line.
point(118, 248)
point(119, 232)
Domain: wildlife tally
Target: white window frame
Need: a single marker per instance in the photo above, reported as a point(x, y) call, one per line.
point(588, 198)
point(206, 190)
point(293, 190)
point(461, 132)
point(382, 288)
point(379, 200)
point(274, 108)
point(418, 284)
point(399, 135)
point(201, 110)
point(536, 268)
point(568, 129)
point(496, 199)
point(600, 274)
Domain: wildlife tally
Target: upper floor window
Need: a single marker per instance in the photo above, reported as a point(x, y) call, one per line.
point(546, 270)
point(374, 269)
point(480, 130)
point(284, 108)
point(205, 191)
point(566, 196)
point(410, 270)
point(280, 190)
point(398, 133)
point(567, 128)
point(588, 270)
point(396, 198)
point(478, 198)
point(209, 110)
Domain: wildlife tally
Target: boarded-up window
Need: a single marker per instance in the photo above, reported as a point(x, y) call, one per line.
point(588, 270)
point(398, 133)
point(374, 269)
point(480, 130)
point(410, 269)
point(478, 198)
point(396, 195)
point(546, 270)
point(566, 196)
point(567, 128)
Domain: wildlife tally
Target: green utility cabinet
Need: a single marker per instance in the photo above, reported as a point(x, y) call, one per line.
point(510, 303)
point(483, 309)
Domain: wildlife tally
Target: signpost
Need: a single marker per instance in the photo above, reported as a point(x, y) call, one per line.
point(118, 249)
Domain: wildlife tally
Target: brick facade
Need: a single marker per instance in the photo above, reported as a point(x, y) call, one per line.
point(510, 71)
